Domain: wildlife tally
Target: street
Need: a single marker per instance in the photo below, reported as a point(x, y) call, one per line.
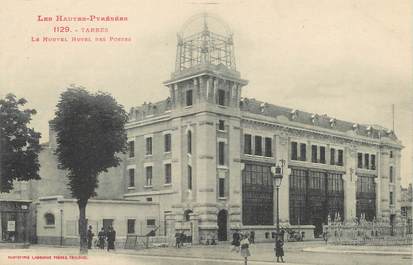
point(199, 255)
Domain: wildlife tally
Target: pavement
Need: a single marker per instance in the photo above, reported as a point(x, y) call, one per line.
point(297, 253)
point(376, 250)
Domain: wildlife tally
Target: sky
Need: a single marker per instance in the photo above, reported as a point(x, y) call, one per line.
point(349, 59)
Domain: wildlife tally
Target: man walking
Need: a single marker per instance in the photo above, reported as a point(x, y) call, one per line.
point(101, 238)
point(235, 241)
point(111, 238)
point(89, 237)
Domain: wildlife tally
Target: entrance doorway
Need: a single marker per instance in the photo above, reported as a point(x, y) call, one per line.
point(222, 225)
point(107, 223)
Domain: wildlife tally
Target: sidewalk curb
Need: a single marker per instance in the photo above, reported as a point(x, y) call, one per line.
point(389, 253)
point(253, 261)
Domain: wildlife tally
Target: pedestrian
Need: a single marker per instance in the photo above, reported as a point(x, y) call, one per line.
point(235, 241)
point(90, 236)
point(101, 238)
point(252, 237)
point(111, 238)
point(279, 249)
point(245, 251)
point(177, 239)
point(182, 239)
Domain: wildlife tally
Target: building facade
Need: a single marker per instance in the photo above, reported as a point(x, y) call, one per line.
point(204, 159)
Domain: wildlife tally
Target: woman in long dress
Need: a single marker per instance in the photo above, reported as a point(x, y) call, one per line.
point(279, 250)
point(245, 251)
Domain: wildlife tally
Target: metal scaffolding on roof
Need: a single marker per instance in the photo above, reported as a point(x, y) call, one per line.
point(205, 46)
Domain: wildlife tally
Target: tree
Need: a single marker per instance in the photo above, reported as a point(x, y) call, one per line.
point(90, 132)
point(19, 144)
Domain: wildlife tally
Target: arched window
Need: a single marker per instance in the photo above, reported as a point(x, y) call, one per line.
point(49, 218)
point(186, 215)
point(189, 142)
point(391, 174)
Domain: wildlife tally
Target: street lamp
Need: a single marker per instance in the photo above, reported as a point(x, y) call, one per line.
point(278, 177)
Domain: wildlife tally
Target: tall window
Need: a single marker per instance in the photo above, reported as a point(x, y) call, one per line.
point(189, 142)
point(314, 153)
point(189, 177)
point(366, 197)
point(391, 154)
point(131, 177)
point(373, 161)
point(257, 195)
point(131, 226)
point(258, 145)
point(332, 156)
point(149, 176)
point(221, 125)
point(303, 152)
point(366, 161)
point(221, 97)
point(149, 146)
point(168, 173)
point(167, 142)
point(268, 147)
point(247, 144)
point(189, 97)
point(221, 153)
point(322, 155)
point(340, 158)
point(359, 160)
point(391, 200)
point(221, 187)
point(131, 148)
point(293, 150)
point(391, 174)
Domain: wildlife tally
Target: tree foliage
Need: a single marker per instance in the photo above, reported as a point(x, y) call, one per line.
point(90, 131)
point(19, 144)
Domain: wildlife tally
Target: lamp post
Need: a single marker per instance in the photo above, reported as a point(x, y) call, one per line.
point(278, 176)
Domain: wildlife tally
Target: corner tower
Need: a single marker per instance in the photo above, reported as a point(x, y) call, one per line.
point(205, 93)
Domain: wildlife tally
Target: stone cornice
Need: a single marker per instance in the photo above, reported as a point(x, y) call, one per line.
point(144, 122)
point(316, 132)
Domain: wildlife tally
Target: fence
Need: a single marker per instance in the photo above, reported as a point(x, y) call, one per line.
point(362, 232)
point(140, 242)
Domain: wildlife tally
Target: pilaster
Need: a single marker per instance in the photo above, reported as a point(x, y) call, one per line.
point(281, 153)
point(384, 184)
point(206, 166)
point(234, 164)
point(349, 183)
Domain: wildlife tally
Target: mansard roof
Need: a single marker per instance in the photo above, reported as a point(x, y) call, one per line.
point(318, 121)
point(148, 110)
point(251, 105)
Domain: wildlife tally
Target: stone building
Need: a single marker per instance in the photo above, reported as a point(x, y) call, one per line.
point(202, 161)
point(207, 151)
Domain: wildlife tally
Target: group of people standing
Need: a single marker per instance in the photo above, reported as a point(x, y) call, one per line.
point(105, 237)
point(241, 242)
